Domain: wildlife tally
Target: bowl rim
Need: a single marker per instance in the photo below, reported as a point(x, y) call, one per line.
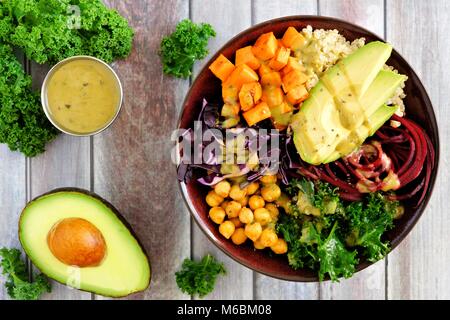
point(418, 211)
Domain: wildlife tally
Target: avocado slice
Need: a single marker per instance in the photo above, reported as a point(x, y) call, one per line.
point(361, 67)
point(122, 270)
point(337, 117)
point(375, 122)
point(382, 88)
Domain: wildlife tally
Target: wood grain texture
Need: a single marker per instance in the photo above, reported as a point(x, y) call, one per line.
point(419, 268)
point(228, 18)
point(132, 162)
point(13, 199)
point(266, 287)
point(370, 283)
point(65, 163)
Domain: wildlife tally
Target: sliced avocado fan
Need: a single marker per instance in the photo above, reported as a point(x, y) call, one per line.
point(346, 106)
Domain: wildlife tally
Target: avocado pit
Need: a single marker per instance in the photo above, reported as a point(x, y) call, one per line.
point(77, 242)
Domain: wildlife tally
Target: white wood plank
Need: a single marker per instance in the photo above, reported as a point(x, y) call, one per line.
point(132, 163)
point(419, 268)
point(65, 163)
point(228, 18)
point(266, 287)
point(12, 201)
point(370, 283)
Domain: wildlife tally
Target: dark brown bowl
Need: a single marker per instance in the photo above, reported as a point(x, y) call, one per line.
point(419, 108)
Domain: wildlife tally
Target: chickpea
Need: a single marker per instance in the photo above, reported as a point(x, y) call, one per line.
point(233, 209)
point(227, 229)
point(253, 231)
point(269, 179)
point(273, 210)
point(243, 201)
point(239, 236)
point(224, 204)
point(268, 237)
point(217, 214)
point(236, 193)
point(237, 223)
point(223, 189)
point(252, 188)
point(246, 215)
point(262, 215)
point(271, 192)
point(256, 202)
point(213, 199)
point(258, 245)
point(280, 247)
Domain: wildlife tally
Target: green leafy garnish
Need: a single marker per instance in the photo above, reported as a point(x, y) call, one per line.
point(23, 125)
point(335, 260)
point(199, 278)
point(52, 30)
point(369, 222)
point(17, 284)
point(330, 242)
point(183, 47)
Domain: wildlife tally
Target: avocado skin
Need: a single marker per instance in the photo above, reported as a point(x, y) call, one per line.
point(113, 209)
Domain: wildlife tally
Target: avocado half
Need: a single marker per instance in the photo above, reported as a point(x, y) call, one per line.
point(124, 270)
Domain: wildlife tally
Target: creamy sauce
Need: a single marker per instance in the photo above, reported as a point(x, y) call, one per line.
point(83, 96)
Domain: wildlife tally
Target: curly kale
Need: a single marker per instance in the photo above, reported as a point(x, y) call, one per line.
point(17, 284)
point(183, 47)
point(322, 250)
point(329, 242)
point(23, 125)
point(368, 221)
point(52, 30)
point(199, 277)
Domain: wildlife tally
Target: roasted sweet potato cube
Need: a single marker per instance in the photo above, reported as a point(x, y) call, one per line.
point(285, 107)
point(230, 110)
point(289, 36)
point(264, 69)
point(273, 96)
point(257, 114)
point(246, 56)
point(271, 79)
point(298, 44)
point(281, 59)
point(293, 79)
point(266, 46)
point(241, 75)
point(292, 64)
point(249, 95)
point(230, 93)
point(222, 67)
point(297, 95)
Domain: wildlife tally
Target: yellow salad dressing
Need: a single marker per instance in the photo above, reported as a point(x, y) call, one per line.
point(83, 96)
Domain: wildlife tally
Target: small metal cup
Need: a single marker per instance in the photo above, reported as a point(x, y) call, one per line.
point(46, 107)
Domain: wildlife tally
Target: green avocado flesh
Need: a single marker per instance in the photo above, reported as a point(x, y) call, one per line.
point(125, 268)
point(346, 106)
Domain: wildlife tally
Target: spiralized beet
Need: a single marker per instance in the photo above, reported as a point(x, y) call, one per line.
point(399, 159)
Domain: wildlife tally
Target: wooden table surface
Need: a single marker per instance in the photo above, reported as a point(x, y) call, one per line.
point(129, 164)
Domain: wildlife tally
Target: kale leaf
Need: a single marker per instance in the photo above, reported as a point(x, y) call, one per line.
point(328, 242)
point(183, 47)
point(335, 259)
point(17, 285)
point(52, 30)
point(368, 222)
point(23, 125)
point(199, 278)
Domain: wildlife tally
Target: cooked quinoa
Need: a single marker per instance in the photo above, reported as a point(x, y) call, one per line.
point(325, 48)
